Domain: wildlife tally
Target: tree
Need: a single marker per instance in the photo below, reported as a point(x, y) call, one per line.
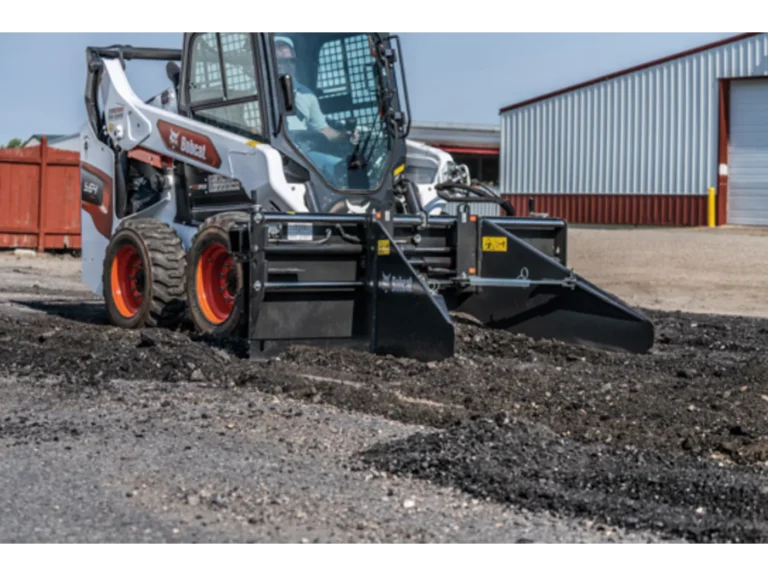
point(14, 143)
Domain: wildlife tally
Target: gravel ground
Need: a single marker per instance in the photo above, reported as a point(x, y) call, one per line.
point(152, 435)
point(115, 436)
point(146, 462)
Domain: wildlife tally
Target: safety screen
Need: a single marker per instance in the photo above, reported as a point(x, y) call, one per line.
point(346, 68)
point(347, 71)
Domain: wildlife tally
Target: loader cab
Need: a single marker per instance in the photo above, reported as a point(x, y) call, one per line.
point(307, 95)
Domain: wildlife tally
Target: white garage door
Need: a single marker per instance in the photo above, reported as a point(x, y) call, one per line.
point(748, 153)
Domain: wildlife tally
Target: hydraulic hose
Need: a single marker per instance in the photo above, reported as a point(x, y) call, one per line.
point(508, 208)
point(413, 198)
point(409, 190)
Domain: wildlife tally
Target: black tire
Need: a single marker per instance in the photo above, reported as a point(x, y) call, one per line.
point(151, 251)
point(214, 286)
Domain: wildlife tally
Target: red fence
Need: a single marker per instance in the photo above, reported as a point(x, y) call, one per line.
point(39, 198)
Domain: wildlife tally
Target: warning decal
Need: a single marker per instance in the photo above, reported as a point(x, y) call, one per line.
point(494, 243)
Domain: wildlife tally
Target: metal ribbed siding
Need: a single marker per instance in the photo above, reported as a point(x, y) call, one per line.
point(653, 131)
point(478, 208)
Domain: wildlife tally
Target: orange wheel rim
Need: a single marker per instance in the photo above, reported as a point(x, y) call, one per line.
point(215, 283)
point(128, 281)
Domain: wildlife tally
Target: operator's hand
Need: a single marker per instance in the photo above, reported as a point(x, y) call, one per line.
point(354, 137)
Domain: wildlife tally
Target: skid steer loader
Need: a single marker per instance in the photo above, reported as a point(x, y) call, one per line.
point(272, 194)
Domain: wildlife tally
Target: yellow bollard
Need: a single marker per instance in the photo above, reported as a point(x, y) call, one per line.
point(711, 209)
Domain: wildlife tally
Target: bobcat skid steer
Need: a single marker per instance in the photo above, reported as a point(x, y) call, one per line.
point(271, 193)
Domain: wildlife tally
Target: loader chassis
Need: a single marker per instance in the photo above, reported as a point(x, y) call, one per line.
point(207, 199)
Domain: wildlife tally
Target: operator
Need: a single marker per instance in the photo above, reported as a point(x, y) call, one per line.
point(309, 115)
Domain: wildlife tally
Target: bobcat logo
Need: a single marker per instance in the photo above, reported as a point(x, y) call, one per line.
point(355, 209)
point(183, 141)
point(173, 138)
point(188, 146)
point(396, 283)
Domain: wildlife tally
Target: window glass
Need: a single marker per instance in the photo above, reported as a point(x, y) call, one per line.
point(240, 76)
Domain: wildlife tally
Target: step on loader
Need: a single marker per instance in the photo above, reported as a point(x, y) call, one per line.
point(271, 193)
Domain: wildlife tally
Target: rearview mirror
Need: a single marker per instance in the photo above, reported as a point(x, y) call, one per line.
point(286, 83)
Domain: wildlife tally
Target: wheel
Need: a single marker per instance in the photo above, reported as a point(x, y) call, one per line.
point(214, 279)
point(144, 275)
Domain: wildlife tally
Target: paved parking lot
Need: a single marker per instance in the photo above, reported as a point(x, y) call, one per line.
point(720, 270)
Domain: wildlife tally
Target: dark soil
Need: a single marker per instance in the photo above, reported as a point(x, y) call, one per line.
point(674, 440)
point(515, 461)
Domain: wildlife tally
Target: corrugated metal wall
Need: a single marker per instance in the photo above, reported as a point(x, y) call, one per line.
point(479, 208)
point(653, 131)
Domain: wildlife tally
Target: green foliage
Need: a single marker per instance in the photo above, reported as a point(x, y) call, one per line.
point(14, 143)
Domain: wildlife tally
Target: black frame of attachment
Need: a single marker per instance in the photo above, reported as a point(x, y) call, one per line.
point(387, 283)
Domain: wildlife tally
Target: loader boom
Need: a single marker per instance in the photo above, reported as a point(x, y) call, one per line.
point(270, 194)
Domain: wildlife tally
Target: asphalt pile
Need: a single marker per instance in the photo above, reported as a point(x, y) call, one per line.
point(517, 462)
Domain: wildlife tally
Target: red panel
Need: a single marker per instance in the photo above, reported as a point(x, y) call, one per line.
point(19, 185)
point(29, 155)
point(62, 200)
point(63, 241)
point(25, 175)
point(723, 131)
point(18, 240)
point(63, 157)
point(619, 209)
point(52, 241)
point(473, 151)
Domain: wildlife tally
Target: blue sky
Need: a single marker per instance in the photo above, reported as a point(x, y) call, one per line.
point(461, 78)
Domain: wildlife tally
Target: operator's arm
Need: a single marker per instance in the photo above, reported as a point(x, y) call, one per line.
point(317, 122)
point(331, 134)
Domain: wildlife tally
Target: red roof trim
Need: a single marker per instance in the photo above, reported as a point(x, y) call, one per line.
point(630, 70)
point(465, 150)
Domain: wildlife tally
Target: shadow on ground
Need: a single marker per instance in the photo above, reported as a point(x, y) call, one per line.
point(94, 314)
point(87, 313)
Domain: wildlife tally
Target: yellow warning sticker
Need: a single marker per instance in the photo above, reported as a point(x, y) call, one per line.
point(494, 244)
point(383, 247)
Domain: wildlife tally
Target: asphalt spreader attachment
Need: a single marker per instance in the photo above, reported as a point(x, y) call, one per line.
point(387, 283)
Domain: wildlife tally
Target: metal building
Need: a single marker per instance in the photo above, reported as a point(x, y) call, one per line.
point(644, 145)
point(476, 145)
